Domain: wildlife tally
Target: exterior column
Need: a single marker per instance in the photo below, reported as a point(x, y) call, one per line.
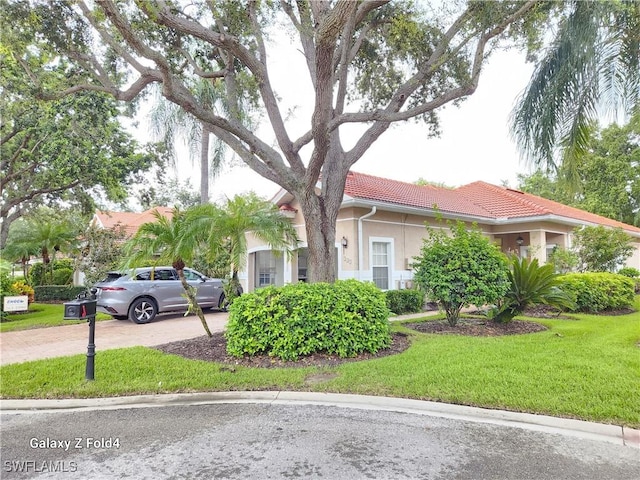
point(538, 246)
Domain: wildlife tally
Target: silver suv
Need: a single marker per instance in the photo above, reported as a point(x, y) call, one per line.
point(141, 293)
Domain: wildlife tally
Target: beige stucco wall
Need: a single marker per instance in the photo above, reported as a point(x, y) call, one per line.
point(405, 232)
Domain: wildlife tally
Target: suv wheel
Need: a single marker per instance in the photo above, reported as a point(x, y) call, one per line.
point(222, 303)
point(142, 310)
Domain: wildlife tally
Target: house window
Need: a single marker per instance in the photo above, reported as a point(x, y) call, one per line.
point(380, 264)
point(266, 271)
point(269, 269)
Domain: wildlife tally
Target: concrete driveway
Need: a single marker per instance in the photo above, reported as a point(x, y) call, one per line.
point(35, 344)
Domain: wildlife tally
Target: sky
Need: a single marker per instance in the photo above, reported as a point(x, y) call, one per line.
point(474, 145)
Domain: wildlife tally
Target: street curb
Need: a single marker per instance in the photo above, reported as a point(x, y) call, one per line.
point(542, 423)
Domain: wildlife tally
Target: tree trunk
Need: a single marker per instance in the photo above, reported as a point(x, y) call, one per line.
point(193, 303)
point(204, 165)
point(320, 225)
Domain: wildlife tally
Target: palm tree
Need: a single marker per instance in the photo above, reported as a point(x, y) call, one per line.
point(170, 241)
point(226, 228)
point(593, 62)
point(169, 121)
point(38, 236)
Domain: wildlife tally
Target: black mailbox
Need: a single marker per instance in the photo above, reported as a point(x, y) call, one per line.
point(80, 309)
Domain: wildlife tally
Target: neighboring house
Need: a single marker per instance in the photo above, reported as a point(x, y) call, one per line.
point(130, 221)
point(381, 227)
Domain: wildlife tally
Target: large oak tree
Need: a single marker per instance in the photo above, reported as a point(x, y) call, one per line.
point(370, 63)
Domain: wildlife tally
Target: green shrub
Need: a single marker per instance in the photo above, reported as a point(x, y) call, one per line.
point(404, 301)
point(52, 293)
point(41, 274)
point(629, 272)
point(345, 318)
point(461, 270)
point(633, 274)
point(62, 276)
point(599, 291)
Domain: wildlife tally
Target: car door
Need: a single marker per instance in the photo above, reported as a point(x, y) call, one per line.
point(206, 293)
point(167, 289)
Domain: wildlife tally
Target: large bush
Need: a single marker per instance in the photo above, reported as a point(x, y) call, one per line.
point(60, 271)
point(599, 291)
point(405, 301)
point(461, 270)
point(345, 318)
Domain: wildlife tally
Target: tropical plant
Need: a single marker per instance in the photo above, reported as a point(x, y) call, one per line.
point(460, 270)
point(168, 240)
point(608, 173)
point(593, 61)
point(530, 284)
point(225, 230)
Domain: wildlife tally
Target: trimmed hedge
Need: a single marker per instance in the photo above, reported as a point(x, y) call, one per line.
point(599, 291)
point(345, 318)
point(404, 301)
point(49, 293)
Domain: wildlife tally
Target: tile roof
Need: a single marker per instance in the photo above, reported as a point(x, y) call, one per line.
point(360, 185)
point(509, 203)
point(131, 221)
point(478, 199)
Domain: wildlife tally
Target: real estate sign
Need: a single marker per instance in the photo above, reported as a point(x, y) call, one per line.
point(19, 303)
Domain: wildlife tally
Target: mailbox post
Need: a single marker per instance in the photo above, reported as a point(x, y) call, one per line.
point(84, 307)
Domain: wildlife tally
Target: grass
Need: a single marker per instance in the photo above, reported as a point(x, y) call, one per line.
point(41, 315)
point(587, 368)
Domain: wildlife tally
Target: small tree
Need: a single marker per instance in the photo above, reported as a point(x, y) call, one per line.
point(461, 270)
point(563, 260)
point(602, 249)
point(225, 231)
point(101, 252)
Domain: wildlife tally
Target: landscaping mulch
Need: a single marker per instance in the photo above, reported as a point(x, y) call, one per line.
point(214, 349)
point(477, 327)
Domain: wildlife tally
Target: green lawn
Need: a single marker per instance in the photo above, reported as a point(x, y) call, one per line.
point(587, 368)
point(41, 315)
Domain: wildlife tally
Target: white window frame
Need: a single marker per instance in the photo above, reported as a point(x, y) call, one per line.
point(390, 259)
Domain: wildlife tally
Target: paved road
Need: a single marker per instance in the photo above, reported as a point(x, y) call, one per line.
point(287, 440)
point(282, 434)
point(51, 342)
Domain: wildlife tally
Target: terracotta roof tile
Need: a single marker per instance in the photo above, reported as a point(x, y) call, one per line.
point(131, 221)
point(479, 199)
point(360, 185)
point(508, 203)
